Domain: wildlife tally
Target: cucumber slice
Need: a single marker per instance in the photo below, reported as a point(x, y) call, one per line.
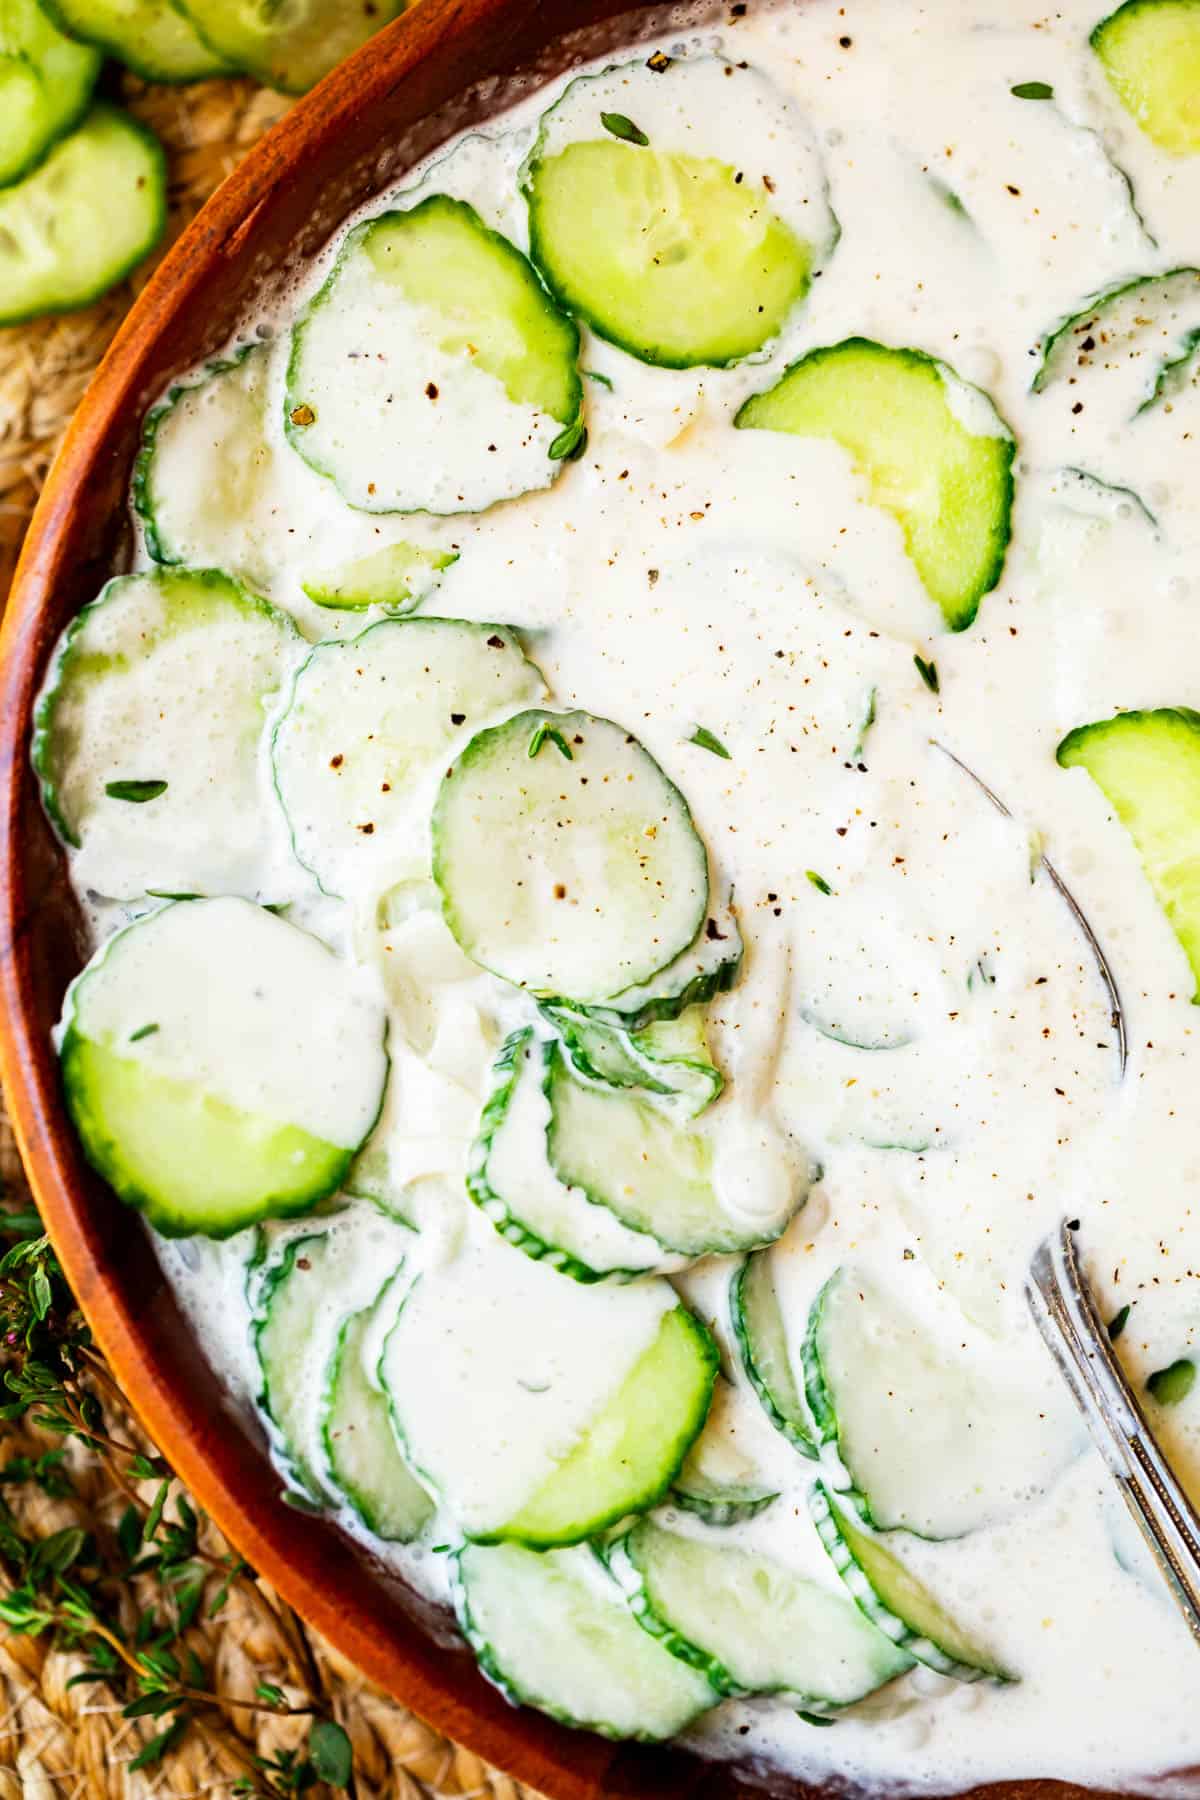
point(303, 1296)
point(1150, 51)
point(511, 1183)
point(398, 578)
point(749, 1624)
point(204, 465)
point(558, 1407)
point(480, 398)
point(364, 1459)
point(933, 451)
point(93, 210)
point(1147, 766)
point(368, 721)
point(656, 235)
point(669, 1059)
point(553, 1631)
point(709, 966)
point(894, 1600)
point(46, 82)
point(930, 1439)
point(758, 1327)
point(629, 1155)
point(568, 863)
point(162, 683)
point(718, 1482)
point(152, 37)
point(1130, 342)
point(288, 44)
point(247, 1091)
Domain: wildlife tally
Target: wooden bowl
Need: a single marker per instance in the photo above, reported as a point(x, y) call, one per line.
point(447, 65)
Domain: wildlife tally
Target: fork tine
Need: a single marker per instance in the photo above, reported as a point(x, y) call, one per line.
point(1065, 1313)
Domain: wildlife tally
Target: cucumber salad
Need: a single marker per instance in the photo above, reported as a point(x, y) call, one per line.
point(638, 809)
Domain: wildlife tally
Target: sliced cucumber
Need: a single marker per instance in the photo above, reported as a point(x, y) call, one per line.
point(709, 966)
point(364, 1459)
point(1147, 766)
point(512, 1184)
point(288, 44)
point(719, 1482)
point(933, 450)
point(205, 465)
point(397, 578)
point(93, 210)
point(154, 38)
point(762, 1339)
point(163, 684)
point(656, 235)
point(303, 1292)
point(1129, 342)
point(749, 1624)
point(46, 82)
point(558, 1407)
point(669, 1058)
point(553, 1631)
point(932, 1437)
point(246, 1092)
point(432, 372)
point(656, 1176)
point(1150, 50)
point(893, 1599)
point(369, 719)
point(568, 863)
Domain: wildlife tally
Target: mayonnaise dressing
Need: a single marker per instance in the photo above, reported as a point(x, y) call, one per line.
point(928, 1042)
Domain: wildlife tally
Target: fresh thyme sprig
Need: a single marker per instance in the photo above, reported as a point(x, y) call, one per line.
point(82, 1583)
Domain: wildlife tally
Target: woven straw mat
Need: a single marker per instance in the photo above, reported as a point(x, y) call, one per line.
point(59, 1742)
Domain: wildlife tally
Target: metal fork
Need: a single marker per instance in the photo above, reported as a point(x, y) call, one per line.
point(1065, 1313)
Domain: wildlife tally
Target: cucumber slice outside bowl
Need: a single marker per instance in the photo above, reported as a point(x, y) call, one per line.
point(933, 451)
point(482, 399)
point(46, 82)
point(87, 216)
point(567, 861)
point(287, 44)
point(196, 1137)
point(154, 38)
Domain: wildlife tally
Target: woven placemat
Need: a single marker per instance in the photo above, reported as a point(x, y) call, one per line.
point(59, 1739)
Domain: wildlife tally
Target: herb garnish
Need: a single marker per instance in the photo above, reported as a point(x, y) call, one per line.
point(570, 443)
point(624, 128)
point(818, 881)
point(1033, 90)
point(595, 375)
point(928, 673)
point(552, 732)
point(136, 791)
point(143, 1031)
point(1174, 1383)
point(704, 740)
point(1117, 1324)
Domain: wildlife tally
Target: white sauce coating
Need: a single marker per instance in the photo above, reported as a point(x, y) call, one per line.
point(681, 574)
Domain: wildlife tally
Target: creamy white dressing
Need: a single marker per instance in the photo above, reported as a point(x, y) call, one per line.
point(681, 574)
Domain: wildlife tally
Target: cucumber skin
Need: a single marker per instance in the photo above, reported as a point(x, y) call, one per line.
point(863, 1593)
point(493, 1206)
point(1044, 375)
point(158, 164)
point(795, 1434)
point(111, 46)
point(702, 987)
point(265, 1281)
point(37, 157)
point(563, 1020)
point(43, 718)
point(143, 467)
point(967, 609)
point(295, 433)
point(816, 1390)
point(733, 1510)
